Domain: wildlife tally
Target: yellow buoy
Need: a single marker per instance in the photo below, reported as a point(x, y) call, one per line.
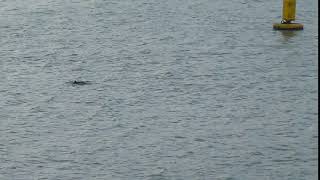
point(289, 26)
point(289, 10)
point(288, 15)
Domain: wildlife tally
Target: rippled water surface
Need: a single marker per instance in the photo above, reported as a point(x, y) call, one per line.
point(173, 90)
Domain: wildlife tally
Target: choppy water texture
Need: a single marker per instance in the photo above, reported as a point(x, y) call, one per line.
point(174, 90)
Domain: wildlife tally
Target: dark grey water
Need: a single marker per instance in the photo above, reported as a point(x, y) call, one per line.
point(176, 90)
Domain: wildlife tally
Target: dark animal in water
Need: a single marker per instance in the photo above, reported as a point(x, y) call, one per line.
point(80, 82)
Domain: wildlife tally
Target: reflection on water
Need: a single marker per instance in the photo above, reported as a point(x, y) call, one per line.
point(288, 35)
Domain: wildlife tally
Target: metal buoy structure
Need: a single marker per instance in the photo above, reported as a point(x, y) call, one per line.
point(288, 15)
